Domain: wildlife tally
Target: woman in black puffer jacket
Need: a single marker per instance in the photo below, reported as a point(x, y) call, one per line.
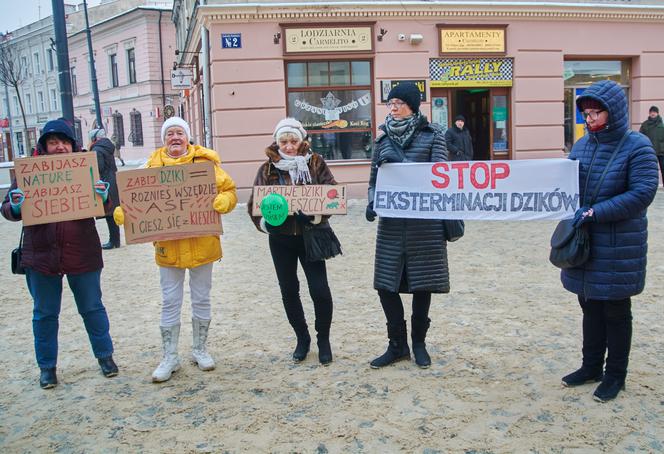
point(411, 254)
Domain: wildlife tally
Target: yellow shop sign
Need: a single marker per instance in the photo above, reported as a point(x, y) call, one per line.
point(471, 72)
point(456, 40)
point(328, 39)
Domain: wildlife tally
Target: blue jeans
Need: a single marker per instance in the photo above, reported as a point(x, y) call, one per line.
point(46, 291)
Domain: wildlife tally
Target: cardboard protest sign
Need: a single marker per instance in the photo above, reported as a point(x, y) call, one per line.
point(168, 203)
point(311, 198)
point(522, 190)
point(58, 187)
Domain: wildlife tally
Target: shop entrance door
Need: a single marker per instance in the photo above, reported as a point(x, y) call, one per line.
point(486, 114)
point(473, 104)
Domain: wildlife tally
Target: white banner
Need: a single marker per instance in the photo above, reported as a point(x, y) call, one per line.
point(524, 190)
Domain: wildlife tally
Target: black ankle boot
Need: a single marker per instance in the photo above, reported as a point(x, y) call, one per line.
point(397, 348)
point(609, 388)
point(418, 333)
point(47, 378)
point(110, 245)
point(108, 367)
point(582, 376)
point(302, 347)
point(324, 349)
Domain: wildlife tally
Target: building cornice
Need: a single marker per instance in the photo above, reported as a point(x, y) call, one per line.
point(437, 10)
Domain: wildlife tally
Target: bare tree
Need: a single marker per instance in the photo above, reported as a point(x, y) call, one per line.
point(12, 74)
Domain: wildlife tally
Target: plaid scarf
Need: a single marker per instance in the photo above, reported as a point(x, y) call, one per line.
point(401, 131)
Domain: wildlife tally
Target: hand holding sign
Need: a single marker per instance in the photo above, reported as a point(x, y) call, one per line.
point(274, 209)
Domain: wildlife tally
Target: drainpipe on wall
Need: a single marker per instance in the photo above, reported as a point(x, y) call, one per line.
point(206, 83)
point(161, 62)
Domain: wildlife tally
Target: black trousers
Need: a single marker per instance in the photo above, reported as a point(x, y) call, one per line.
point(393, 306)
point(607, 326)
point(286, 251)
point(113, 231)
point(660, 158)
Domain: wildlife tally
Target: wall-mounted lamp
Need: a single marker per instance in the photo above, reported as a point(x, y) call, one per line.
point(276, 38)
point(416, 38)
point(381, 33)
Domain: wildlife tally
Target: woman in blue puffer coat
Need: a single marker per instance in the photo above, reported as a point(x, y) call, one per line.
point(618, 229)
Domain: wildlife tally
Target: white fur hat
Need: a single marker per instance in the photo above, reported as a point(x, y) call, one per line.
point(174, 121)
point(289, 125)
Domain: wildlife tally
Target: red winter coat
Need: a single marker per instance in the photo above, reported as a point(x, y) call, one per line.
point(67, 247)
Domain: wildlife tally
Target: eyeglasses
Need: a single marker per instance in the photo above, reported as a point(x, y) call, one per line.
point(592, 114)
point(393, 104)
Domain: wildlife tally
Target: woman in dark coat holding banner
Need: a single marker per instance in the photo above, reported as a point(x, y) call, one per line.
point(57, 249)
point(618, 230)
point(107, 170)
point(291, 161)
point(411, 254)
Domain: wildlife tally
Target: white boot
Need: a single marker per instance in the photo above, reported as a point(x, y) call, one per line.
point(170, 362)
point(199, 352)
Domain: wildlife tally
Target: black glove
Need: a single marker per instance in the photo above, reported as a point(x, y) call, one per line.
point(582, 216)
point(370, 214)
point(302, 218)
point(389, 155)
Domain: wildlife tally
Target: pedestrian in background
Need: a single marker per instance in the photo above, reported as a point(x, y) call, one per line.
point(196, 254)
point(116, 143)
point(291, 161)
point(618, 230)
point(57, 249)
point(458, 140)
point(654, 129)
point(105, 150)
point(411, 254)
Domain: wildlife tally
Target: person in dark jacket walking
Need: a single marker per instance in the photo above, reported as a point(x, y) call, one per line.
point(458, 140)
point(653, 127)
point(51, 251)
point(411, 254)
point(107, 170)
point(618, 230)
point(292, 162)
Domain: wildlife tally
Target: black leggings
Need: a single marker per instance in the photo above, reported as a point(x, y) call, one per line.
point(393, 307)
point(286, 250)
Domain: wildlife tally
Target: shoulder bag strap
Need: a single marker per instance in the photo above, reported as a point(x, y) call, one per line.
point(608, 164)
point(20, 241)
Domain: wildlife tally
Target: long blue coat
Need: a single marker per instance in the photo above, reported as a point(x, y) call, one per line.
point(619, 235)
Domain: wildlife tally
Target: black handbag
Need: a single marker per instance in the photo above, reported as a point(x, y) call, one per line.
point(17, 268)
point(570, 246)
point(454, 229)
point(320, 242)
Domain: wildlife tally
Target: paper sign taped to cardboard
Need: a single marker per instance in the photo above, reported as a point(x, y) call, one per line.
point(310, 198)
point(169, 203)
point(58, 187)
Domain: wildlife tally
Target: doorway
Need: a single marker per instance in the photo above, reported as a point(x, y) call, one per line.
point(486, 114)
point(473, 104)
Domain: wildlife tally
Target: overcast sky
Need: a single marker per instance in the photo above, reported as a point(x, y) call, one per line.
point(17, 13)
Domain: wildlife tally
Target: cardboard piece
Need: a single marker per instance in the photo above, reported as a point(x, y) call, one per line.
point(168, 203)
point(311, 199)
point(58, 187)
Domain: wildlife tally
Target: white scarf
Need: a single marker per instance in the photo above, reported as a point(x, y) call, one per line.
point(296, 166)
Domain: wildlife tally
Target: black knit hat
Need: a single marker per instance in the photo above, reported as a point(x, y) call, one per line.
point(408, 93)
point(654, 109)
point(460, 117)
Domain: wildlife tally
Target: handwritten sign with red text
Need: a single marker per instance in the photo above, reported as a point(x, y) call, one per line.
point(168, 203)
point(58, 187)
point(311, 198)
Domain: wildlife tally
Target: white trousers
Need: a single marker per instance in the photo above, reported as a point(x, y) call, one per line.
point(172, 292)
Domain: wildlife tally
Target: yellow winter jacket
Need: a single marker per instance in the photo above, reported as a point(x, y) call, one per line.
point(193, 252)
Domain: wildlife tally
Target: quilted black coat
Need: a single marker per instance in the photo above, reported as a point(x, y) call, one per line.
point(411, 254)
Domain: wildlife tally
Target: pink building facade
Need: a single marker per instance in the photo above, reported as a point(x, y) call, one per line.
point(134, 53)
point(513, 69)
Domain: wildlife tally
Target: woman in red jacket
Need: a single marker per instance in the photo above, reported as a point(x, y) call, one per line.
point(50, 251)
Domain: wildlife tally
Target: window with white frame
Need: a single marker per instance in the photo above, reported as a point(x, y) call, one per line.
point(131, 65)
point(74, 88)
point(113, 70)
point(54, 99)
point(24, 65)
point(16, 106)
point(37, 63)
point(40, 101)
point(28, 102)
point(49, 59)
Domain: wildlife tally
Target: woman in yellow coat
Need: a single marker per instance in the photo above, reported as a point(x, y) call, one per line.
point(197, 254)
